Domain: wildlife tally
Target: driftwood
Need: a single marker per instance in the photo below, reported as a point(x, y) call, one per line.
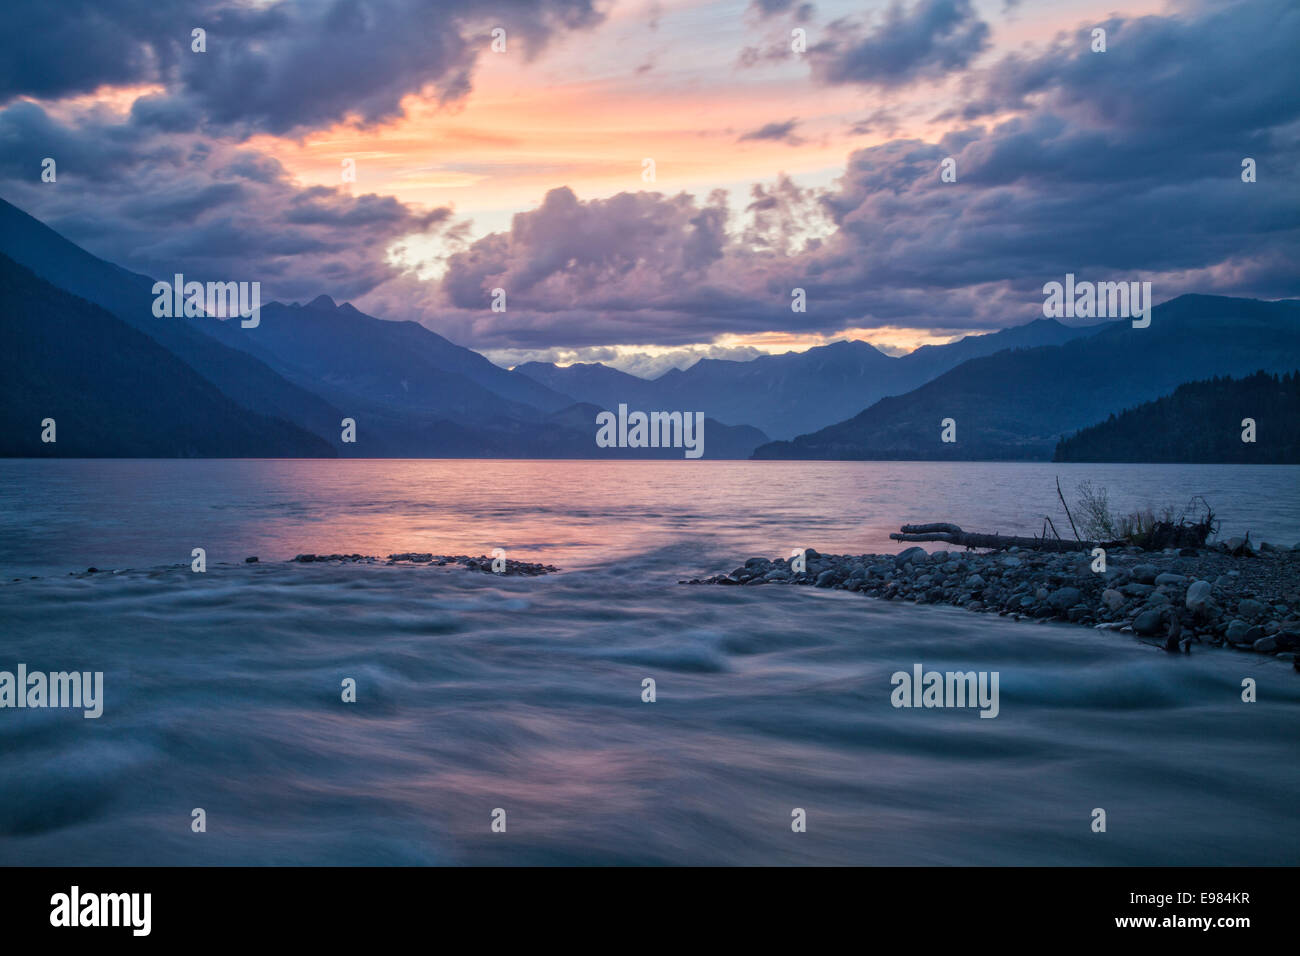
point(952, 534)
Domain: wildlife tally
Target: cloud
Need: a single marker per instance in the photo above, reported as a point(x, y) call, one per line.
point(278, 68)
point(780, 132)
point(163, 185)
point(567, 254)
point(178, 203)
point(1117, 165)
point(927, 40)
point(1107, 168)
point(643, 361)
point(771, 8)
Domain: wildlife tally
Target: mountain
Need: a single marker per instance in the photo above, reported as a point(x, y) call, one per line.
point(1017, 404)
point(1201, 422)
point(129, 296)
point(111, 390)
point(930, 361)
point(785, 395)
point(403, 384)
point(594, 383)
point(341, 349)
point(412, 392)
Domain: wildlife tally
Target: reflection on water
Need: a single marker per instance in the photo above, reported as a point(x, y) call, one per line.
point(61, 515)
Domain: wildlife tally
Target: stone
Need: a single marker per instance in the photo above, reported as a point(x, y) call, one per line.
point(1198, 595)
point(1266, 645)
point(1148, 622)
point(1145, 573)
point(1251, 609)
point(1063, 598)
point(1113, 599)
point(1168, 577)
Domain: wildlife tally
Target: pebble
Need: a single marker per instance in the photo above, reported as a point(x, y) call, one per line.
point(1198, 595)
point(1148, 622)
point(1251, 609)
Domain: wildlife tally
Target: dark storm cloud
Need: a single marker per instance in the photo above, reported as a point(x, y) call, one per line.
point(288, 66)
point(925, 40)
point(91, 150)
point(1233, 70)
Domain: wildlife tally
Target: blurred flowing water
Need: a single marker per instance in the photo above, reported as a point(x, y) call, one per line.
point(222, 690)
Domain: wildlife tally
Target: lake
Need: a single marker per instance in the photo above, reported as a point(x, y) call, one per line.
point(477, 692)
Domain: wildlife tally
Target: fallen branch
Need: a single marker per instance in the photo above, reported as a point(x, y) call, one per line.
point(953, 534)
point(1066, 507)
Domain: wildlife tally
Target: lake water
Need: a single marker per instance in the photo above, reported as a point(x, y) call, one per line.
point(476, 692)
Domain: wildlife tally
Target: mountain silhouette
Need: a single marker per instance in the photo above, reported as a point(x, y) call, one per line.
point(111, 390)
point(1018, 404)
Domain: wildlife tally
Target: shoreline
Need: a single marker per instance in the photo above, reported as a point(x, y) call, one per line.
point(508, 567)
point(1217, 596)
point(1249, 600)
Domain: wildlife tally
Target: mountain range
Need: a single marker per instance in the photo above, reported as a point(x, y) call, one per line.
point(1019, 403)
point(83, 346)
point(281, 389)
point(787, 395)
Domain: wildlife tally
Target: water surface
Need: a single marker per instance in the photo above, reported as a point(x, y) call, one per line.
point(478, 692)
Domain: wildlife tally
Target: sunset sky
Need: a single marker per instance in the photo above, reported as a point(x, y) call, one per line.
point(773, 169)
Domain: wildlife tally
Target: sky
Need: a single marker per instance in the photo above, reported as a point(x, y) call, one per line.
point(776, 166)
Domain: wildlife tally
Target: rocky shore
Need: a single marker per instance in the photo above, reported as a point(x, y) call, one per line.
point(1241, 597)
